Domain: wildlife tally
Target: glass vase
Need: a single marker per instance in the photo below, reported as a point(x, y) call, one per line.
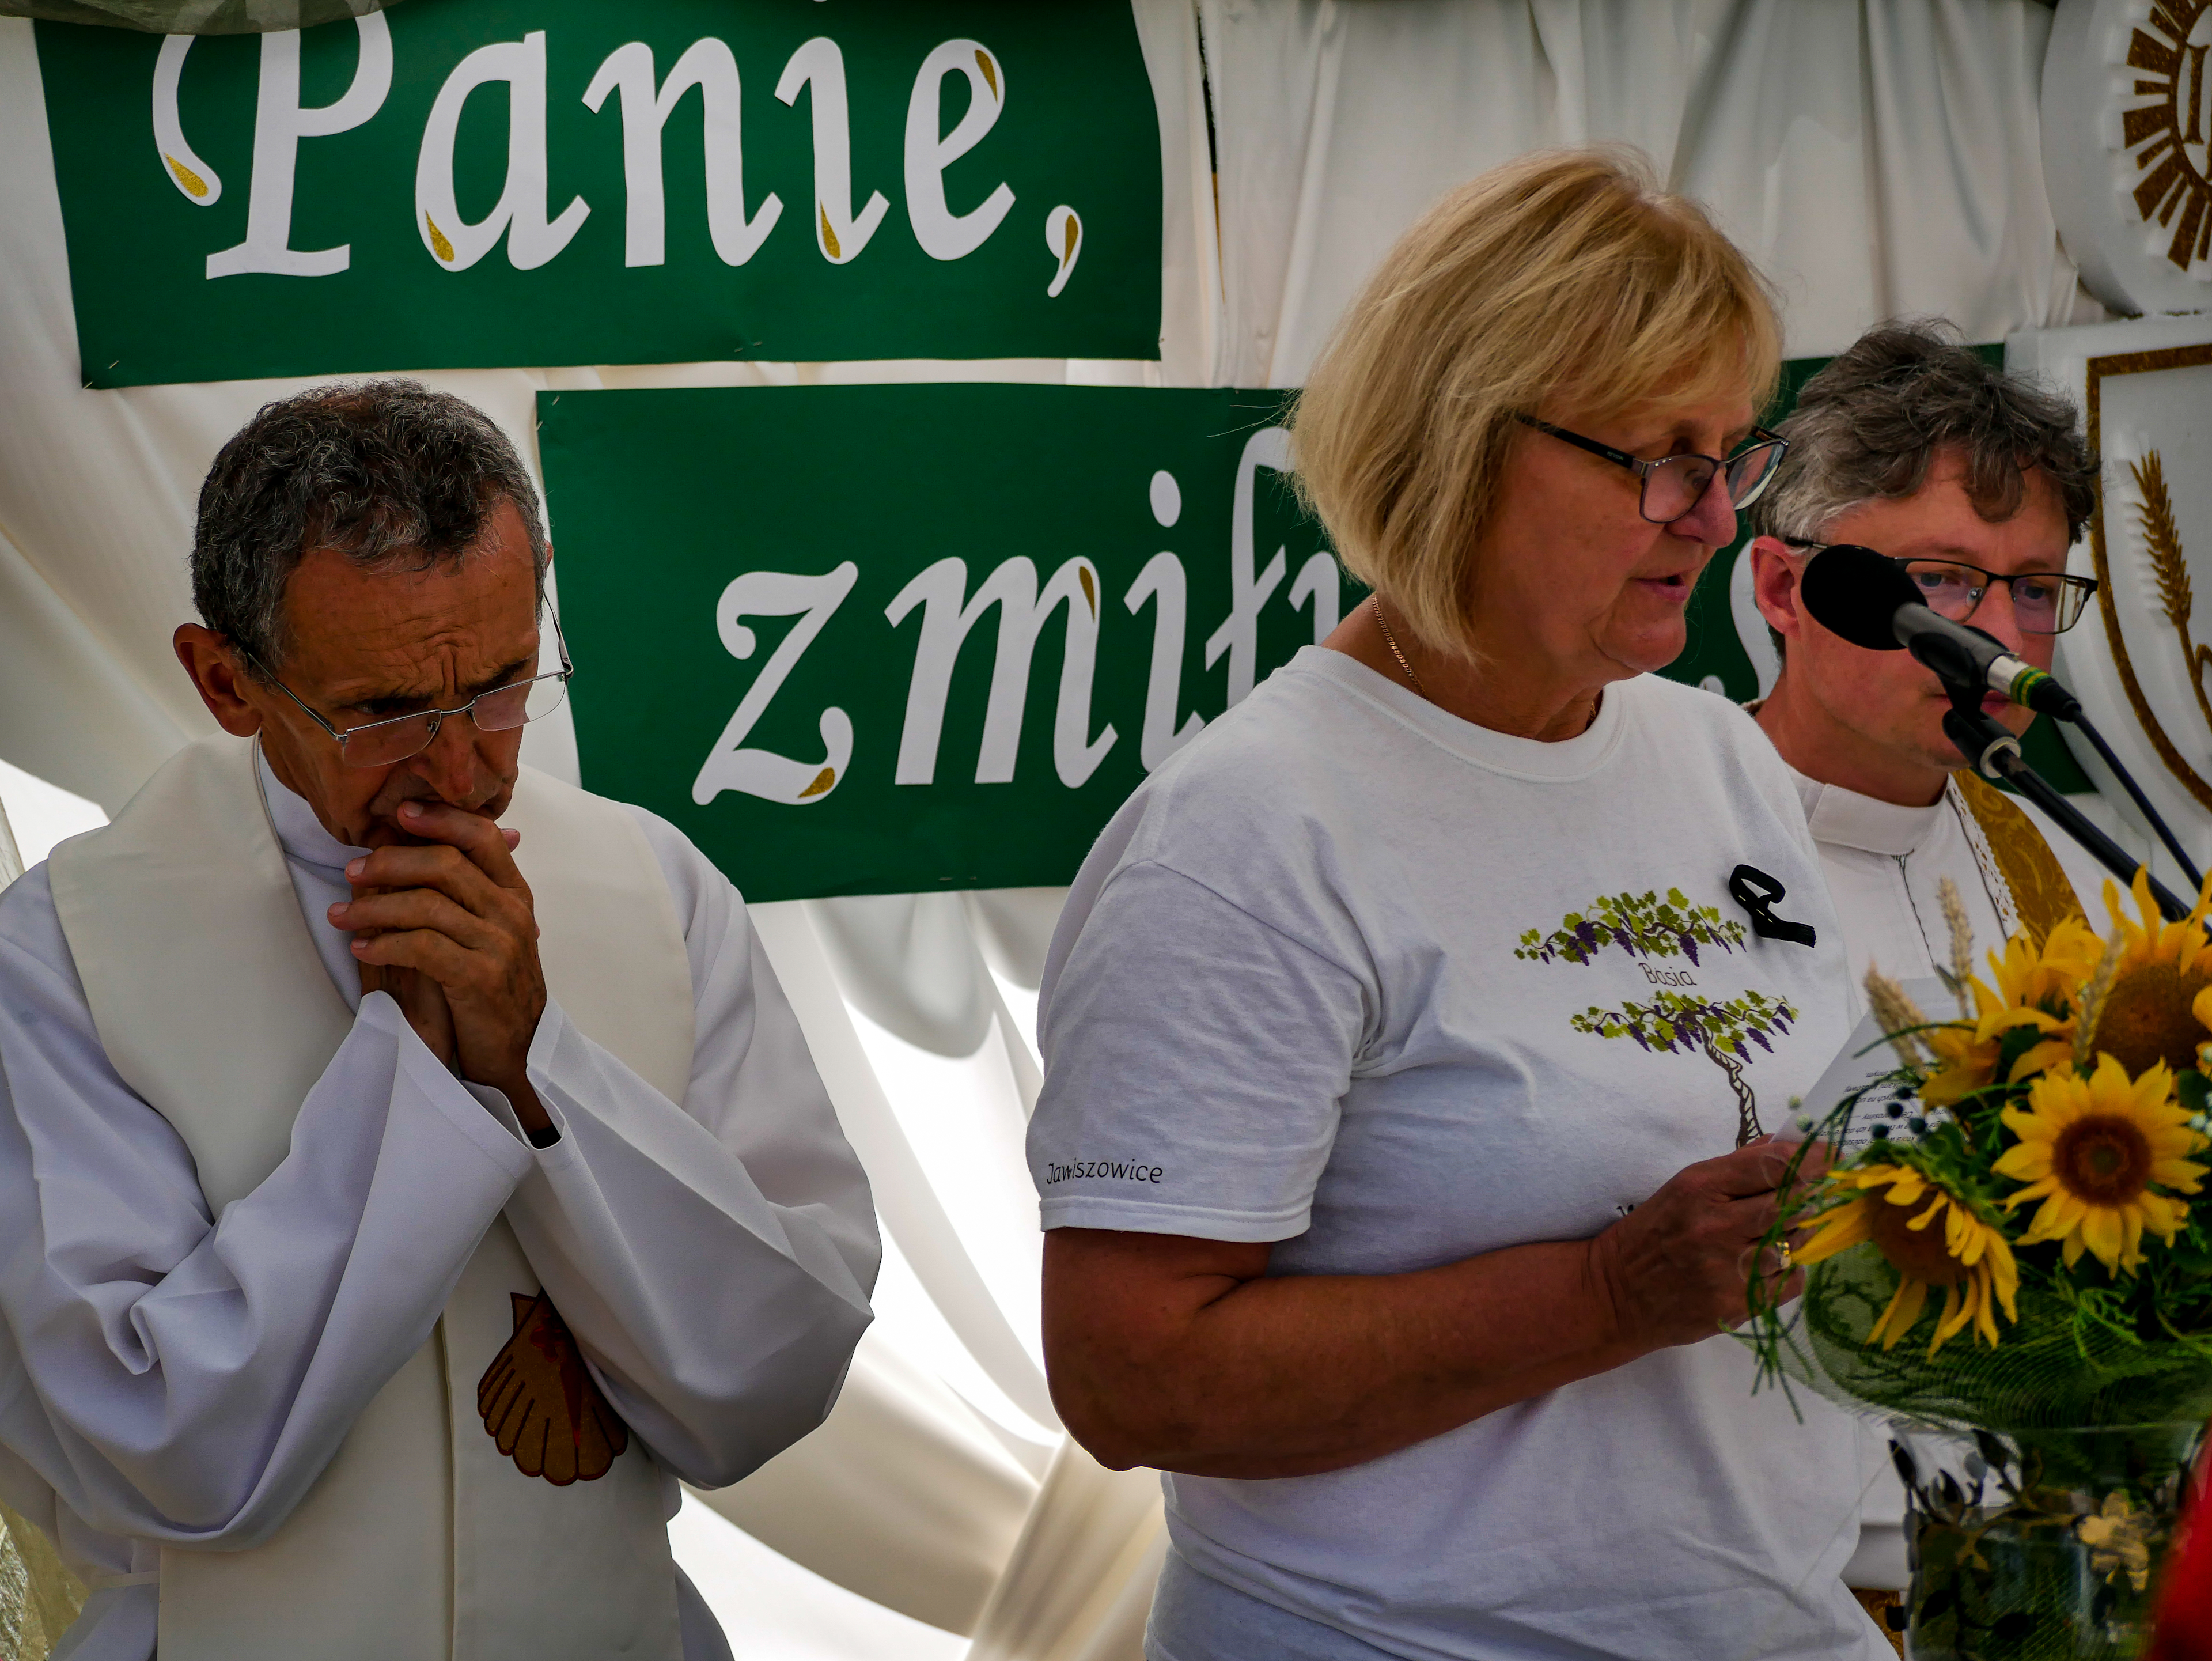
point(2041, 1545)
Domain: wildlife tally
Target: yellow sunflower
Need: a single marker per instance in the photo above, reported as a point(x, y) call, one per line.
point(1967, 1256)
point(2090, 1149)
point(2156, 1007)
point(2035, 987)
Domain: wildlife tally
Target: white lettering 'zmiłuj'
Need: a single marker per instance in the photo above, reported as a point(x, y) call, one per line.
point(839, 235)
point(762, 773)
point(1316, 585)
point(279, 123)
point(1239, 633)
point(1163, 582)
point(939, 590)
point(531, 240)
point(943, 234)
point(709, 65)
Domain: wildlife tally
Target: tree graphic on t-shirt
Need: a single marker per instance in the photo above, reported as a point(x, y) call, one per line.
point(1673, 1022)
point(1645, 925)
point(1642, 925)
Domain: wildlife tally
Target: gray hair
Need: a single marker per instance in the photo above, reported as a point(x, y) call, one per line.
point(1868, 426)
point(389, 473)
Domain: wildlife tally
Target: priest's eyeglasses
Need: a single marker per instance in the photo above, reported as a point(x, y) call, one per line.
point(381, 743)
point(1673, 485)
point(2043, 602)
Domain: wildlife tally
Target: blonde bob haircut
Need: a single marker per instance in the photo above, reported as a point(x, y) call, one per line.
point(1565, 283)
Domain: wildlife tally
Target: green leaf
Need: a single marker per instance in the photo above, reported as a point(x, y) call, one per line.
point(2012, 1045)
point(2195, 1090)
point(2189, 1256)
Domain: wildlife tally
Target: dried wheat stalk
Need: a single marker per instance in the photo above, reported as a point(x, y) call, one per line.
point(1962, 943)
point(1894, 1014)
point(2089, 1003)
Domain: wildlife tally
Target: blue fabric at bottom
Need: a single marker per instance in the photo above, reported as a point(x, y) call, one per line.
point(1196, 1618)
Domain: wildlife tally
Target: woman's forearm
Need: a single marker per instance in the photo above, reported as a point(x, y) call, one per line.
point(1240, 1374)
point(1184, 1353)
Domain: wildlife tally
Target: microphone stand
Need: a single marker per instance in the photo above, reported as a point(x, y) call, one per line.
point(1995, 754)
point(2080, 723)
point(1958, 670)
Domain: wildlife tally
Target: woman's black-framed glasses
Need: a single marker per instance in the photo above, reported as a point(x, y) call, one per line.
point(2043, 602)
point(381, 743)
point(1673, 485)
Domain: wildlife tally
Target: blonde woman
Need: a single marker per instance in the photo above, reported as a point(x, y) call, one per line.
point(1412, 1036)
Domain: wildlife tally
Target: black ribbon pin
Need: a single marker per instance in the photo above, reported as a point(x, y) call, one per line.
point(1756, 892)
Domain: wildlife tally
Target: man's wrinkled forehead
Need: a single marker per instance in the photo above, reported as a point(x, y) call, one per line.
point(1942, 520)
point(413, 629)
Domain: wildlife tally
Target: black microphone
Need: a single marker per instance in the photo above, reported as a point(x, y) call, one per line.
point(1869, 601)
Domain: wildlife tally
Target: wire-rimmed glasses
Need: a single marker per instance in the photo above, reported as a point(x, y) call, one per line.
point(1673, 485)
point(2043, 602)
point(381, 743)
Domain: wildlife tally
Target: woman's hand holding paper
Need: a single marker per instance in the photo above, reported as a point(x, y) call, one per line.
point(1675, 1268)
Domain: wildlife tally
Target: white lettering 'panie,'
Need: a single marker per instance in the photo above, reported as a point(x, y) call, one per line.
point(1358, 977)
point(1886, 866)
point(162, 1376)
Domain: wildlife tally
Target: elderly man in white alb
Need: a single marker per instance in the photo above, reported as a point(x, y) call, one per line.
point(392, 1206)
point(1912, 446)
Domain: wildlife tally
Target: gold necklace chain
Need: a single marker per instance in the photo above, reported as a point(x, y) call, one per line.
point(1374, 605)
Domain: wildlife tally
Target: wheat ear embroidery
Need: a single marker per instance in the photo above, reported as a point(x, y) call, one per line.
point(2162, 537)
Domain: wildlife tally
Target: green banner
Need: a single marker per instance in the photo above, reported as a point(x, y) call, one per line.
point(460, 183)
point(862, 640)
point(885, 639)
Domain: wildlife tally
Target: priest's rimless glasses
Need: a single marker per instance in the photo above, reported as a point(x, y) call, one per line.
point(2043, 602)
point(381, 743)
point(1673, 485)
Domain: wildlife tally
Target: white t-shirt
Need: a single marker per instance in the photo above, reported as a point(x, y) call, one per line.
point(1340, 975)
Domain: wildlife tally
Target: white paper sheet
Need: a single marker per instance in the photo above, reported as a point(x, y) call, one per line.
point(1865, 1057)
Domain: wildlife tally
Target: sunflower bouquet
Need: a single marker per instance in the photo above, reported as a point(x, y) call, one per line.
point(2034, 1160)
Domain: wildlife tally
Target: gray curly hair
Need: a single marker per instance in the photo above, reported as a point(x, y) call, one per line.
point(389, 473)
point(1867, 427)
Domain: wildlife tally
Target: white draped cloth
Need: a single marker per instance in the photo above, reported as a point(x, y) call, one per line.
point(168, 1378)
point(1873, 157)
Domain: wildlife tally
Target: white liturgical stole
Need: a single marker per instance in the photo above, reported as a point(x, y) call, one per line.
point(422, 1541)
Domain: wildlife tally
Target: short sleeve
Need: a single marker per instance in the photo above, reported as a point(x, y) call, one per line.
point(1195, 1060)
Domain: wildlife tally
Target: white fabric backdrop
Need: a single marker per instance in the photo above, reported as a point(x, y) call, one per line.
point(1876, 155)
